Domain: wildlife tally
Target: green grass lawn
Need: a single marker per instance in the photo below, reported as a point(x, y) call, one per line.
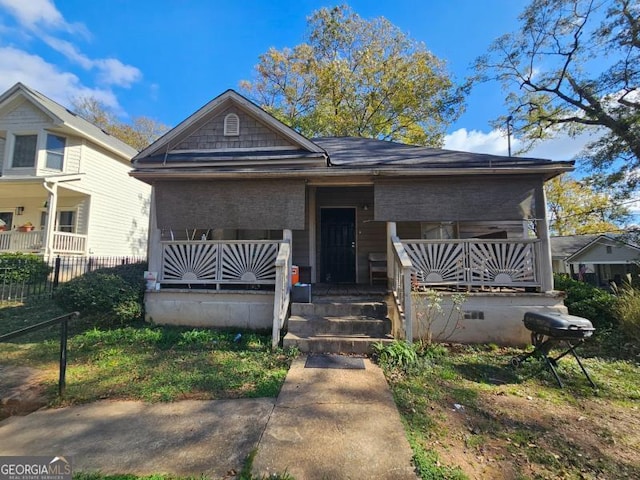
point(469, 414)
point(144, 362)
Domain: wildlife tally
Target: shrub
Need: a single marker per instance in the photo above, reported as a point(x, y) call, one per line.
point(23, 268)
point(429, 311)
point(117, 292)
point(398, 354)
point(585, 300)
point(628, 310)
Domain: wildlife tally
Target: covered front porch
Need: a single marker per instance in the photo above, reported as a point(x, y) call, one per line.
point(242, 277)
point(43, 215)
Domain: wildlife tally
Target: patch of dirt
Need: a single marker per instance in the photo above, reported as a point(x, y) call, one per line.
point(509, 436)
point(21, 390)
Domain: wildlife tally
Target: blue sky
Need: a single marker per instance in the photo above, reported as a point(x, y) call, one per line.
point(166, 58)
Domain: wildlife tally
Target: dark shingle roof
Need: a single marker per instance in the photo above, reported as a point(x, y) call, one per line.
point(563, 247)
point(69, 118)
point(355, 151)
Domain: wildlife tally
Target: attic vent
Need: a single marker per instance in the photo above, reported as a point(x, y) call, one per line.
point(231, 125)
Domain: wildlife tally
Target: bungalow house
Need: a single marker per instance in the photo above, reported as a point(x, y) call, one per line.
point(596, 259)
point(238, 198)
point(65, 187)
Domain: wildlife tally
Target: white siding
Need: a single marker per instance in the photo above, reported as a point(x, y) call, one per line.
point(25, 117)
point(119, 205)
point(618, 253)
point(2, 145)
point(72, 154)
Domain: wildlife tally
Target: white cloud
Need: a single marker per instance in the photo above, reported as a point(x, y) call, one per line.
point(111, 71)
point(41, 18)
point(114, 72)
point(561, 147)
point(69, 50)
point(40, 13)
point(20, 66)
point(494, 142)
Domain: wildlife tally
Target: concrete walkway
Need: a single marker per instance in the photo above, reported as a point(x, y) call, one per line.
point(326, 423)
point(335, 424)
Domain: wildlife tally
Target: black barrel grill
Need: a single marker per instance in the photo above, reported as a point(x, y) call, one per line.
point(552, 329)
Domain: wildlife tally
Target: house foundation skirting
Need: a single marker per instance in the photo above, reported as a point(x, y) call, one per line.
point(246, 310)
point(486, 317)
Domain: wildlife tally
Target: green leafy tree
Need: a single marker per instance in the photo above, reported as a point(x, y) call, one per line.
point(357, 77)
point(141, 132)
point(576, 208)
point(573, 66)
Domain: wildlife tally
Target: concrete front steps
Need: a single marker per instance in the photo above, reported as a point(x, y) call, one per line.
point(338, 325)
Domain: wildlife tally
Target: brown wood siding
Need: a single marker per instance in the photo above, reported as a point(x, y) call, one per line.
point(300, 248)
point(253, 134)
point(241, 204)
point(370, 234)
point(455, 199)
point(409, 230)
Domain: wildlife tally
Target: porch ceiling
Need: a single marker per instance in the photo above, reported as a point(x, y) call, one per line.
point(16, 189)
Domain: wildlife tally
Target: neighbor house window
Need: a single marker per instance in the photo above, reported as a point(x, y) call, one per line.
point(24, 151)
point(67, 221)
point(55, 151)
point(6, 220)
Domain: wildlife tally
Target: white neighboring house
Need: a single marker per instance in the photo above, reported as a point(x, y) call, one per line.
point(65, 187)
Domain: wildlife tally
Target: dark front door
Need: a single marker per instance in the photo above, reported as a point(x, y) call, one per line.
point(338, 245)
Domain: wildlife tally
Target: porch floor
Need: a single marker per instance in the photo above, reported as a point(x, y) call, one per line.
point(346, 290)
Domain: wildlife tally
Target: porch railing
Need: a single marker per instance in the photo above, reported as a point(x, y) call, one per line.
point(401, 274)
point(211, 262)
point(282, 296)
point(474, 263)
point(15, 241)
point(63, 242)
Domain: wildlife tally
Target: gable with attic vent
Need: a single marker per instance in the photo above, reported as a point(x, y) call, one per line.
point(251, 134)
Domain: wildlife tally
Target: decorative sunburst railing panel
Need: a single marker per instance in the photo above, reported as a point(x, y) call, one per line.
point(473, 263)
point(190, 262)
point(502, 263)
point(218, 262)
point(437, 262)
point(249, 262)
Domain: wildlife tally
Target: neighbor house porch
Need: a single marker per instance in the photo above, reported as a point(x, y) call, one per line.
point(38, 215)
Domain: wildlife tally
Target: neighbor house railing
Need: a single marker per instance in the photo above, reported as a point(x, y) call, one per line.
point(401, 274)
point(212, 262)
point(63, 242)
point(282, 295)
point(74, 243)
point(474, 263)
point(15, 241)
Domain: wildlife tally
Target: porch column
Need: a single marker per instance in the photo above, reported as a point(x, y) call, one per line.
point(312, 233)
point(546, 273)
point(391, 232)
point(287, 236)
point(52, 206)
point(154, 247)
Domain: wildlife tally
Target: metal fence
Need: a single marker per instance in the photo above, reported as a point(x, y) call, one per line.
point(62, 269)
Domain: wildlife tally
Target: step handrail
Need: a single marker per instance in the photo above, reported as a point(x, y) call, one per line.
point(63, 320)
